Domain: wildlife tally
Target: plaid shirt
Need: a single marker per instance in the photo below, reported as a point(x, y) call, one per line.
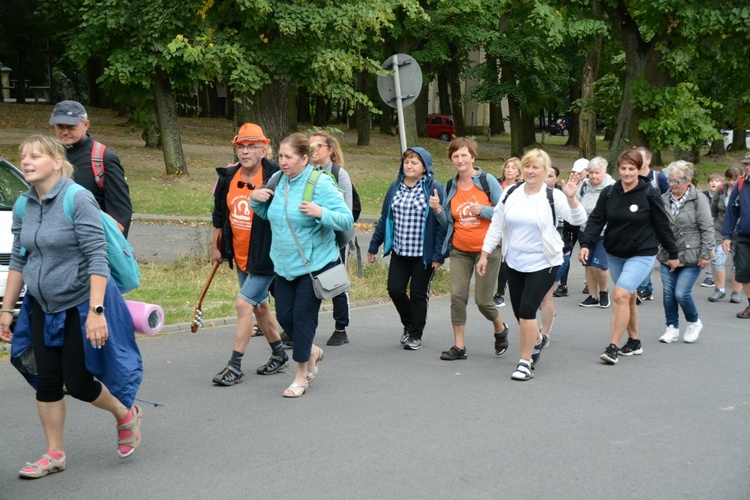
point(408, 209)
point(676, 205)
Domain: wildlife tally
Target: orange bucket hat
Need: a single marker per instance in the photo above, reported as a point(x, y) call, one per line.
point(250, 132)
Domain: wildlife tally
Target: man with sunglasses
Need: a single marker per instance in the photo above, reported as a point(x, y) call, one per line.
point(241, 238)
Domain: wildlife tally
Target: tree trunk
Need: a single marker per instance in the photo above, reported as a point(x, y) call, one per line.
point(717, 148)
point(455, 84)
point(444, 97)
point(291, 115)
point(587, 121)
point(20, 74)
point(303, 105)
point(422, 106)
point(166, 116)
point(386, 117)
point(270, 110)
point(410, 126)
point(573, 130)
point(363, 111)
point(321, 112)
point(97, 96)
point(528, 134)
point(738, 139)
point(514, 112)
point(151, 132)
point(641, 61)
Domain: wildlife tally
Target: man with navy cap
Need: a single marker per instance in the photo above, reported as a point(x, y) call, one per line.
point(96, 167)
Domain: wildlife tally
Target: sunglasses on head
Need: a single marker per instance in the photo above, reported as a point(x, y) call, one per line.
point(249, 185)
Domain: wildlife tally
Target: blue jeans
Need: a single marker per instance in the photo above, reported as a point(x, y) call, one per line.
point(677, 287)
point(646, 286)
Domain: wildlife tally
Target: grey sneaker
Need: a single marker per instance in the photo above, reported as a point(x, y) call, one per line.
point(717, 296)
point(413, 343)
point(734, 298)
point(228, 376)
point(404, 336)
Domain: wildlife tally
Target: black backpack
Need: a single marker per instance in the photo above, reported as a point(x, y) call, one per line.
point(482, 181)
point(550, 199)
point(356, 203)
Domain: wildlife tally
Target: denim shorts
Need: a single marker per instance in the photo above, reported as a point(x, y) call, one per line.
point(629, 273)
point(254, 287)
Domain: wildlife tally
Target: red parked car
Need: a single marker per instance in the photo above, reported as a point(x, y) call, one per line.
point(440, 127)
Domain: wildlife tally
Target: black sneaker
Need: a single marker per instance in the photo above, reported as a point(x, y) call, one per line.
point(339, 337)
point(560, 291)
point(498, 300)
point(585, 290)
point(589, 302)
point(538, 349)
point(604, 300)
point(274, 365)
point(404, 336)
point(229, 376)
point(610, 354)
point(632, 346)
point(708, 282)
point(413, 343)
point(644, 295)
point(286, 341)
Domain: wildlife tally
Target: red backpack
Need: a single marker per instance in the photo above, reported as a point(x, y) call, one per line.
point(97, 163)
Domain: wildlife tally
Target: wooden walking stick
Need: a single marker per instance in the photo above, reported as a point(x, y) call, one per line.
point(198, 317)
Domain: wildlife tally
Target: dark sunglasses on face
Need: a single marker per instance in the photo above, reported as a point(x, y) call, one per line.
point(249, 185)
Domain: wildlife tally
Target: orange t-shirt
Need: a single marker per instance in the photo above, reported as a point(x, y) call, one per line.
point(468, 229)
point(241, 216)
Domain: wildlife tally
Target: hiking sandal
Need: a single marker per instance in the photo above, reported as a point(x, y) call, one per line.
point(501, 341)
point(256, 331)
point(453, 353)
point(40, 469)
point(134, 426)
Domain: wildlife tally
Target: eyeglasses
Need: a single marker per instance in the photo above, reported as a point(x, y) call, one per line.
point(248, 147)
point(249, 185)
point(674, 182)
point(320, 145)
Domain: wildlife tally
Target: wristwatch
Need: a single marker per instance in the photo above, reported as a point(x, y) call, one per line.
point(97, 309)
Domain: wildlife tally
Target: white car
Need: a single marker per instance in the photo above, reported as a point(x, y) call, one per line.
point(12, 184)
point(729, 139)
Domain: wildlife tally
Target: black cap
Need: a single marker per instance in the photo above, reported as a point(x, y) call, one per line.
point(68, 113)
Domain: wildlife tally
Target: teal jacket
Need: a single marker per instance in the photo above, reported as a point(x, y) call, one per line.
point(316, 236)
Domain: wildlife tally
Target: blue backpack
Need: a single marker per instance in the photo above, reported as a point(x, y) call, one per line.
point(122, 264)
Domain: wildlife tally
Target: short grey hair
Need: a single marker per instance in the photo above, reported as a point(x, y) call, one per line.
point(598, 162)
point(685, 169)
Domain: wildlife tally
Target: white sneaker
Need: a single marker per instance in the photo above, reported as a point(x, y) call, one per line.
point(692, 331)
point(671, 335)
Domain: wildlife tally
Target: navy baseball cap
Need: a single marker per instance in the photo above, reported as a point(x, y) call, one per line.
point(68, 113)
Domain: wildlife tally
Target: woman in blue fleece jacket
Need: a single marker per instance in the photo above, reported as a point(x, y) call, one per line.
point(313, 223)
point(65, 268)
point(410, 233)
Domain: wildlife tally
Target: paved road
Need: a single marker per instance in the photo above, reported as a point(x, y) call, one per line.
point(381, 422)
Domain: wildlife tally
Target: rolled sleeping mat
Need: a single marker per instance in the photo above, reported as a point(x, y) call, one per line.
point(147, 318)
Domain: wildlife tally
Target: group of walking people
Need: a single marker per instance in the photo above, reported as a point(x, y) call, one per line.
point(278, 224)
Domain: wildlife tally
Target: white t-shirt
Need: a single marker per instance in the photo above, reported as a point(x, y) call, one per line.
point(525, 248)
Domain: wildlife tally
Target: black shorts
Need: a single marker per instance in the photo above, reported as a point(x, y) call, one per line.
point(742, 259)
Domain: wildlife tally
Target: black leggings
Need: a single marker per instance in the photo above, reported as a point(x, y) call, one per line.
point(527, 290)
point(65, 365)
point(502, 278)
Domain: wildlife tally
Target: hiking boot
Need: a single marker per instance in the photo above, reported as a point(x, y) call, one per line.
point(604, 300)
point(538, 349)
point(717, 296)
point(744, 314)
point(734, 297)
point(229, 376)
point(708, 282)
point(286, 341)
point(339, 337)
point(589, 302)
point(692, 331)
point(671, 335)
point(413, 343)
point(632, 346)
point(560, 291)
point(274, 365)
point(609, 355)
point(498, 300)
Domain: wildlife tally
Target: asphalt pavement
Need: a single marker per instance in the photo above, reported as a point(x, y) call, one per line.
point(382, 422)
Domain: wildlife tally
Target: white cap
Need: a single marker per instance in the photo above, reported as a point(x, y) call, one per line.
point(580, 165)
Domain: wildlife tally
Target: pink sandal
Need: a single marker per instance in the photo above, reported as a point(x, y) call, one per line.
point(42, 467)
point(133, 439)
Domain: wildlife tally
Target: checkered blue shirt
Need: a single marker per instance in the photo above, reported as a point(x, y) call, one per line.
point(408, 210)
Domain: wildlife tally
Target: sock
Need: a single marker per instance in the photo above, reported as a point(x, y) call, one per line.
point(277, 348)
point(528, 362)
point(236, 361)
point(722, 290)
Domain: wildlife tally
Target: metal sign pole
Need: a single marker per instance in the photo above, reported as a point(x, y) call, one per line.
point(399, 105)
